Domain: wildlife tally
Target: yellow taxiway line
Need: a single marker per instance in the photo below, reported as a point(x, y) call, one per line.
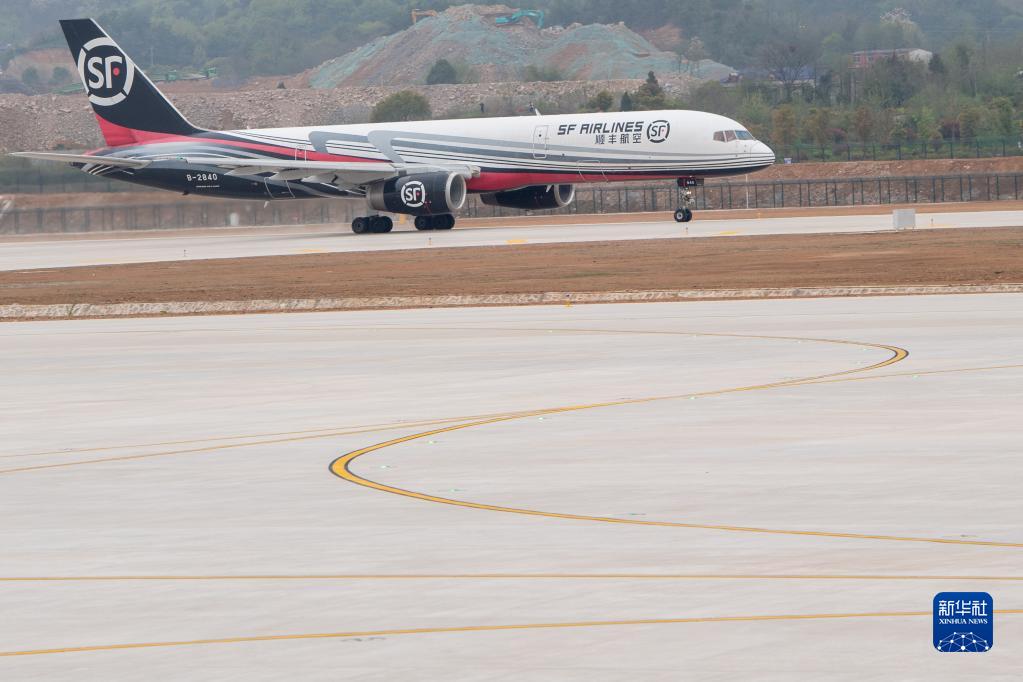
point(341, 466)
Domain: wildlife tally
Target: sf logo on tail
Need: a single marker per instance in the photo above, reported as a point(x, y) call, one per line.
point(107, 74)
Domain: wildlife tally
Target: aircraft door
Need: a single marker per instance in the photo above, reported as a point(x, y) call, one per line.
point(540, 142)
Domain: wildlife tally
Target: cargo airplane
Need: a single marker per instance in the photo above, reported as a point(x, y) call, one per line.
point(423, 169)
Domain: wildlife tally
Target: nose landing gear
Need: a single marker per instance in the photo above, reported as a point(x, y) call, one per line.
point(683, 215)
point(686, 199)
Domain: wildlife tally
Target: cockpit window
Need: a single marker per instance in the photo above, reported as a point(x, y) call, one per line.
point(732, 135)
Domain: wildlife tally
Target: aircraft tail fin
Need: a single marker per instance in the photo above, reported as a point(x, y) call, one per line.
point(129, 108)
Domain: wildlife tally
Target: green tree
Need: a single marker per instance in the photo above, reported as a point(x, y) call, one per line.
point(819, 126)
point(755, 113)
point(401, 106)
point(970, 121)
point(892, 82)
point(927, 127)
point(30, 77)
point(788, 58)
point(1003, 117)
point(863, 124)
point(965, 69)
point(650, 95)
point(60, 76)
point(626, 103)
point(602, 101)
point(441, 72)
point(784, 126)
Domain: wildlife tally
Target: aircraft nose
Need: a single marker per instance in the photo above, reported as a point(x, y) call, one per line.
point(762, 152)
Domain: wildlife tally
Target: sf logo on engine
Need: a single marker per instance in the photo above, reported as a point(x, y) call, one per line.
point(108, 75)
point(658, 131)
point(413, 194)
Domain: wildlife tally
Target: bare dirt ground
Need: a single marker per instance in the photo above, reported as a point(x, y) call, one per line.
point(934, 257)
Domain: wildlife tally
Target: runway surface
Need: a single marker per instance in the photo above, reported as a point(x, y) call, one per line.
point(18, 255)
point(767, 490)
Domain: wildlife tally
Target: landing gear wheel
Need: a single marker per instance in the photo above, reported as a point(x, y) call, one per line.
point(381, 224)
point(360, 226)
point(683, 215)
point(435, 222)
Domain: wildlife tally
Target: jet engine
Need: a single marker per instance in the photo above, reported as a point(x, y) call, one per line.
point(534, 197)
point(419, 194)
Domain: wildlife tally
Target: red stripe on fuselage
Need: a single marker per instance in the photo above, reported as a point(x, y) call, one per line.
point(497, 182)
point(119, 136)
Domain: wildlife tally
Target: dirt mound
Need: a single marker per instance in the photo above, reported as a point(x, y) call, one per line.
point(468, 35)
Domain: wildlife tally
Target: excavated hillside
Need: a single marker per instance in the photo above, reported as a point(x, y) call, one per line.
point(469, 36)
point(44, 122)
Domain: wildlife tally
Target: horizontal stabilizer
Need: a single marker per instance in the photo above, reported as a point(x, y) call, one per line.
point(84, 158)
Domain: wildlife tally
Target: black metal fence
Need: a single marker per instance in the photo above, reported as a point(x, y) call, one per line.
point(189, 212)
point(789, 194)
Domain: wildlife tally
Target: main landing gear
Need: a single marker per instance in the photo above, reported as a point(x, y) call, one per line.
point(377, 224)
point(686, 200)
point(444, 221)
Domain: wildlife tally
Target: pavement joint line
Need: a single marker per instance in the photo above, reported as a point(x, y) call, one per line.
point(341, 466)
point(340, 430)
point(313, 434)
point(508, 576)
point(211, 448)
point(396, 426)
point(480, 628)
point(510, 414)
point(330, 433)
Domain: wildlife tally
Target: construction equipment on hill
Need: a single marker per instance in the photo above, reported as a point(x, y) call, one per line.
point(535, 14)
point(418, 14)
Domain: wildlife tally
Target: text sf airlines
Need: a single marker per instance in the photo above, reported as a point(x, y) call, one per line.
point(423, 169)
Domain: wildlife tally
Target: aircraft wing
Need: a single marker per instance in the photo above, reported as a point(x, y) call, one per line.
point(84, 158)
point(350, 174)
point(333, 172)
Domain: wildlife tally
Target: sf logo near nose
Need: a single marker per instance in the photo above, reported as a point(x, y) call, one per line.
point(658, 131)
point(107, 74)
